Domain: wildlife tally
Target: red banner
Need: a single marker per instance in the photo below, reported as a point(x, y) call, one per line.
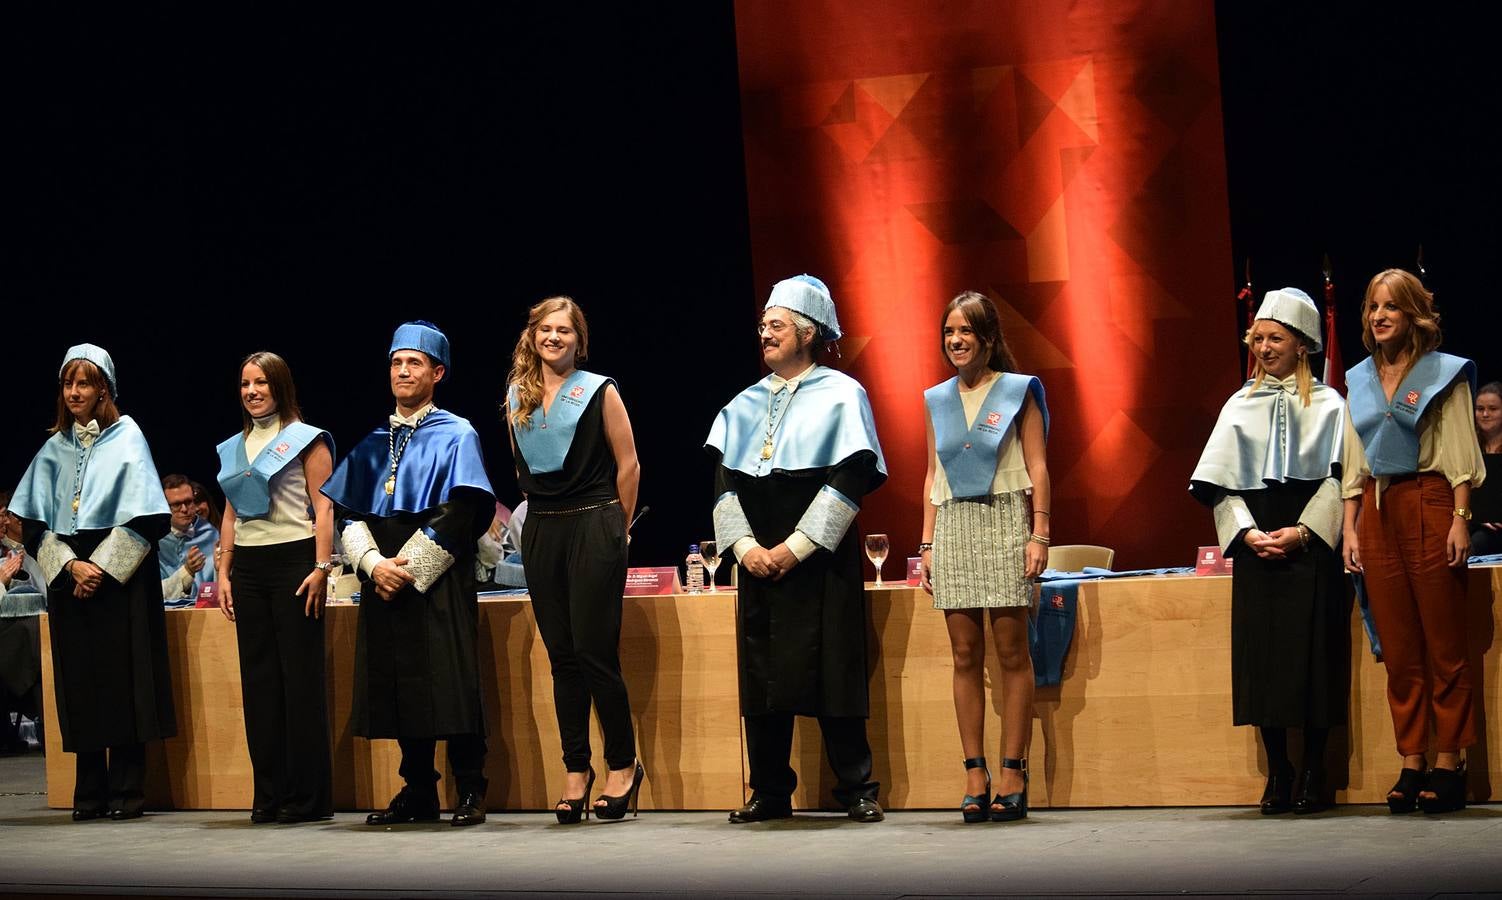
point(1065, 159)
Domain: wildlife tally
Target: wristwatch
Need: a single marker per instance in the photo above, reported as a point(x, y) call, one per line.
point(325, 567)
point(1463, 513)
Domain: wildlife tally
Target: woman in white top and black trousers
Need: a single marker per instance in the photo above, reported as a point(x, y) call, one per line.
point(275, 544)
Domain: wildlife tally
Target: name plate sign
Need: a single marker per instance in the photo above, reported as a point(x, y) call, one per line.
point(208, 595)
point(656, 581)
point(1210, 562)
point(914, 571)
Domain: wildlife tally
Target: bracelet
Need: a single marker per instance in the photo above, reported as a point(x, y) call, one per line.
point(1042, 512)
point(1303, 535)
point(926, 545)
point(325, 567)
point(1461, 512)
point(1039, 539)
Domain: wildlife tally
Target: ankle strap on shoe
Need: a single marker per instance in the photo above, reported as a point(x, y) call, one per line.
point(975, 762)
point(1009, 763)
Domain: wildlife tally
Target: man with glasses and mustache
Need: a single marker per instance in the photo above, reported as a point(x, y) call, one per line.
point(796, 452)
point(186, 553)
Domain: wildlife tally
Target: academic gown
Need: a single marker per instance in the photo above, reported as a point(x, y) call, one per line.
point(416, 655)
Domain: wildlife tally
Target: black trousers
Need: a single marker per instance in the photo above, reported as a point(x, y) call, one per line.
point(576, 574)
point(282, 680)
point(769, 743)
point(466, 754)
point(113, 779)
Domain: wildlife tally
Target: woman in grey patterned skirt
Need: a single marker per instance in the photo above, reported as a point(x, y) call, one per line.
point(985, 537)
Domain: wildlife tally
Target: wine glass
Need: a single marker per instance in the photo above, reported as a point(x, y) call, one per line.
point(876, 551)
point(710, 552)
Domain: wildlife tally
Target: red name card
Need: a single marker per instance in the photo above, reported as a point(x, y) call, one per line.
point(1210, 562)
point(208, 595)
point(914, 571)
point(652, 582)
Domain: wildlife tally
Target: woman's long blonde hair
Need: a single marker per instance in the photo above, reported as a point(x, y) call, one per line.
point(526, 366)
point(1302, 371)
point(1416, 302)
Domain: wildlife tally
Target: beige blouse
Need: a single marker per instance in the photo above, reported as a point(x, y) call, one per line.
point(1447, 445)
point(1011, 470)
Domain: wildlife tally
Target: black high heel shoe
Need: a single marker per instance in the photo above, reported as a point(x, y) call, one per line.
point(980, 813)
point(1448, 786)
point(1277, 797)
point(1013, 806)
point(577, 808)
point(615, 807)
point(1410, 782)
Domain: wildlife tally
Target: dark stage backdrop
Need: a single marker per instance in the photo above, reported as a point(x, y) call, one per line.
point(1065, 159)
point(190, 186)
point(187, 184)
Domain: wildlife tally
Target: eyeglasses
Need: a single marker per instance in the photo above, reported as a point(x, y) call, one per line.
point(183, 503)
point(776, 326)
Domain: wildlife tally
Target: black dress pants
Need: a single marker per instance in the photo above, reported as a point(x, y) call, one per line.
point(282, 680)
point(576, 574)
point(769, 743)
point(111, 780)
point(466, 754)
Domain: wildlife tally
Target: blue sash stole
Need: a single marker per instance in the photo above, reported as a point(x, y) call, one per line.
point(826, 421)
point(1389, 430)
point(442, 456)
point(246, 483)
point(969, 454)
point(120, 482)
point(546, 439)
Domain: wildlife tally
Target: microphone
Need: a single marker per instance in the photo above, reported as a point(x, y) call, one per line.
point(639, 513)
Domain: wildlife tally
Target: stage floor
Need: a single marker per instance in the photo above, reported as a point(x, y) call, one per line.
point(1216, 850)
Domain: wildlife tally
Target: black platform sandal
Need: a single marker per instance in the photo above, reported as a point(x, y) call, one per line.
point(1448, 786)
point(577, 808)
point(979, 813)
point(1410, 782)
point(1013, 806)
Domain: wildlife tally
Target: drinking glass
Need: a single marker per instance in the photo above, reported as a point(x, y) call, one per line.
point(876, 551)
point(710, 551)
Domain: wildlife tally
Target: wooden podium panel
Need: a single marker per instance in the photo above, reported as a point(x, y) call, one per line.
point(1143, 716)
point(678, 654)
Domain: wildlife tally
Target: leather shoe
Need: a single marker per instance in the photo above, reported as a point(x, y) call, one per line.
point(470, 811)
point(120, 815)
point(89, 815)
point(1311, 794)
point(762, 809)
point(262, 816)
point(866, 809)
point(407, 806)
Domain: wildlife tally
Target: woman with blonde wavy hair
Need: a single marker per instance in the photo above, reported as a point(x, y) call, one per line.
point(576, 462)
point(1409, 468)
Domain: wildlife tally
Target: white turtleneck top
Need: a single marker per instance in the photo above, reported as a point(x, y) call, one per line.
point(289, 518)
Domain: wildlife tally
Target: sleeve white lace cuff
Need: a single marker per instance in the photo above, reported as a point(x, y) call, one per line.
point(743, 546)
point(360, 547)
point(177, 585)
point(1324, 513)
point(53, 555)
point(827, 518)
point(730, 524)
point(120, 553)
point(1232, 520)
point(425, 560)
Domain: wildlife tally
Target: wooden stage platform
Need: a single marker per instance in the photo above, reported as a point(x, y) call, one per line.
point(1142, 717)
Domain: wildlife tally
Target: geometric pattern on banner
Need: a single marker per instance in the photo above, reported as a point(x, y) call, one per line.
point(1067, 161)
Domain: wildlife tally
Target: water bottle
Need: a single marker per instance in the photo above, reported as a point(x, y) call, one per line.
point(694, 576)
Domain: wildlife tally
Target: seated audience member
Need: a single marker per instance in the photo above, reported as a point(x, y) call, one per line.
point(208, 506)
point(186, 554)
point(1486, 499)
point(22, 599)
point(500, 556)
